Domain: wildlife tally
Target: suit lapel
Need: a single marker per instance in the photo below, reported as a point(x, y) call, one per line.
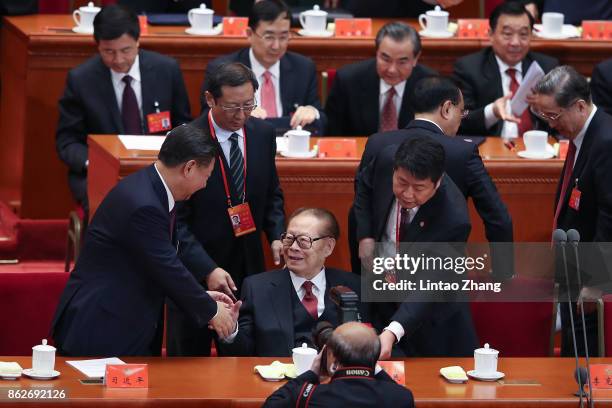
point(107, 93)
point(286, 88)
point(330, 308)
point(279, 293)
point(148, 77)
point(243, 57)
point(492, 76)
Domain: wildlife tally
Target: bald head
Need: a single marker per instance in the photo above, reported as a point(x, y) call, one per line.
point(354, 345)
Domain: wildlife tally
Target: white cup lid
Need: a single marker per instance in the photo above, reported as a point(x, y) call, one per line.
point(315, 11)
point(437, 12)
point(43, 347)
point(305, 350)
point(90, 8)
point(486, 350)
point(202, 10)
point(298, 131)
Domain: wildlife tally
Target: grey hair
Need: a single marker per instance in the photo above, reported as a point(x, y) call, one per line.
point(399, 32)
point(566, 85)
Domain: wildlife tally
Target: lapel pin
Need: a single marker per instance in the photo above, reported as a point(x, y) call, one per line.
point(422, 224)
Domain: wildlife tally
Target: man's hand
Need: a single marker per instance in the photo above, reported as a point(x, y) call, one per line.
point(387, 340)
point(259, 113)
point(366, 252)
point(304, 115)
point(219, 279)
point(449, 3)
point(316, 363)
point(224, 323)
point(499, 109)
point(220, 297)
point(330, 3)
point(277, 251)
point(587, 300)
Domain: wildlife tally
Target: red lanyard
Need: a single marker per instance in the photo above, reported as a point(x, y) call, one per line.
point(225, 183)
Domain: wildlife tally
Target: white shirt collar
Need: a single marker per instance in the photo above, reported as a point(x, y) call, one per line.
point(431, 121)
point(170, 197)
point(399, 88)
point(318, 281)
point(134, 72)
point(580, 136)
point(503, 67)
point(259, 69)
point(223, 135)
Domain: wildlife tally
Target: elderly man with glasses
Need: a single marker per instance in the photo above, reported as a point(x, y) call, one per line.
point(287, 92)
point(280, 308)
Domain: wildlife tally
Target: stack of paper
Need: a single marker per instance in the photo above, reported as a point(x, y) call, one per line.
point(10, 368)
point(94, 368)
point(454, 374)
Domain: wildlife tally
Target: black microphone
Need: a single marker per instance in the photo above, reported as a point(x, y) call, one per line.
point(560, 240)
point(573, 237)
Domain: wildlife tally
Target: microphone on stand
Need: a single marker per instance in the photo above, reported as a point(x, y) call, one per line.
point(560, 240)
point(573, 237)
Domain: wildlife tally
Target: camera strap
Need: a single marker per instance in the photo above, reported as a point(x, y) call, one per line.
point(305, 393)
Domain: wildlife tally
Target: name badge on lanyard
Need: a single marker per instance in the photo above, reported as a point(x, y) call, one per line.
point(574, 201)
point(240, 216)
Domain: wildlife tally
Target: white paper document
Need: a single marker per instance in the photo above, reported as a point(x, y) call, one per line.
point(519, 101)
point(95, 368)
point(142, 142)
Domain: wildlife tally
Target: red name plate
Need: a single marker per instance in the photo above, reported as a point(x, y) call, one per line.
point(127, 376)
point(597, 30)
point(395, 369)
point(353, 27)
point(473, 28)
point(235, 26)
point(601, 376)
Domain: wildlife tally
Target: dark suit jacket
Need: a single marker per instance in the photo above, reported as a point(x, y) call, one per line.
point(480, 81)
point(601, 85)
point(353, 104)
point(298, 82)
point(576, 11)
point(266, 320)
point(431, 327)
point(89, 106)
point(113, 302)
point(387, 8)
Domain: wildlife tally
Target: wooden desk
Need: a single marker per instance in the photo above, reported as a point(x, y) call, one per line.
point(230, 382)
point(36, 57)
point(526, 186)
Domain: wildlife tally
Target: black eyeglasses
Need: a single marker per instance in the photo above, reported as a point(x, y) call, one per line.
point(304, 241)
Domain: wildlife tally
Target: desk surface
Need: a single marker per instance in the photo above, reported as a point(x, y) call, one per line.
point(223, 381)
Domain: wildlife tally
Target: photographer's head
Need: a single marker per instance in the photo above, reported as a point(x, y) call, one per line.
point(352, 345)
point(310, 238)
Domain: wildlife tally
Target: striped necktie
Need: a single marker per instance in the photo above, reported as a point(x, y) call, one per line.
point(237, 165)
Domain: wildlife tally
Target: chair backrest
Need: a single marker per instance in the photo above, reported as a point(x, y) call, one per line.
point(607, 326)
point(518, 329)
point(29, 300)
point(335, 147)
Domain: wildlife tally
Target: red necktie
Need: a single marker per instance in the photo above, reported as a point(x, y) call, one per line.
point(130, 114)
point(268, 95)
point(310, 300)
point(526, 123)
point(567, 175)
point(388, 116)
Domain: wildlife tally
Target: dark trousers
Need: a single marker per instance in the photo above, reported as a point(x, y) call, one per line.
point(567, 343)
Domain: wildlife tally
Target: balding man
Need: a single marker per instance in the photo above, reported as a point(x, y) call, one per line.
point(351, 352)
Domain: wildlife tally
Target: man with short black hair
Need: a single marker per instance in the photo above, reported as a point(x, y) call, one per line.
point(113, 303)
point(122, 90)
point(219, 253)
point(287, 80)
point(356, 381)
point(490, 77)
point(372, 95)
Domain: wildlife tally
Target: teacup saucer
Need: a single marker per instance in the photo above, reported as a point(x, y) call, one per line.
point(213, 31)
point(296, 155)
point(82, 30)
point(41, 376)
point(548, 154)
point(436, 34)
point(486, 377)
point(306, 33)
point(567, 31)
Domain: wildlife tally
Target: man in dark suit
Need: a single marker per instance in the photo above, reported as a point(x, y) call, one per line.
point(489, 78)
point(287, 80)
point(281, 308)
point(356, 379)
point(438, 106)
point(584, 195)
point(122, 90)
point(576, 11)
point(372, 95)
point(163, 6)
point(114, 300)
point(601, 85)
point(404, 197)
point(219, 253)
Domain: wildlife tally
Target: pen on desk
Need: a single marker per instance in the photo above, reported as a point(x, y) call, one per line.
point(509, 145)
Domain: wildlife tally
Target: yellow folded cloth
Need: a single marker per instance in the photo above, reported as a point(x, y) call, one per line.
point(276, 371)
point(10, 368)
point(454, 374)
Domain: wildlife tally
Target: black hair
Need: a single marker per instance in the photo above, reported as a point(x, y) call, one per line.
point(422, 157)
point(331, 228)
point(510, 8)
point(399, 32)
point(566, 85)
point(113, 21)
point(431, 92)
point(230, 74)
point(186, 142)
point(267, 10)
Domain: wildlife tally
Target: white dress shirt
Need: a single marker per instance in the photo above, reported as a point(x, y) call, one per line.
point(136, 84)
point(509, 129)
point(397, 99)
point(259, 70)
point(170, 197)
point(580, 136)
point(223, 136)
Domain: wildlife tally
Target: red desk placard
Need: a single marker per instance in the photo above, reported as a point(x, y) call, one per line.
point(395, 369)
point(235, 26)
point(601, 376)
point(473, 28)
point(353, 27)
point(597, 30)
point(127, 376)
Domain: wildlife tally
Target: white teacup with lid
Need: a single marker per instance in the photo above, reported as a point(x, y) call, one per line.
point(314, 20)
point(303, 358)
point(434, 21)
point(485, 361)
point(201, 18)
point(298, 141)
point(552, 24)
point(84, 17)
point(43, 359)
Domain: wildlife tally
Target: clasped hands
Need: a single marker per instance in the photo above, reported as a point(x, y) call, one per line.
point(303, 115)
